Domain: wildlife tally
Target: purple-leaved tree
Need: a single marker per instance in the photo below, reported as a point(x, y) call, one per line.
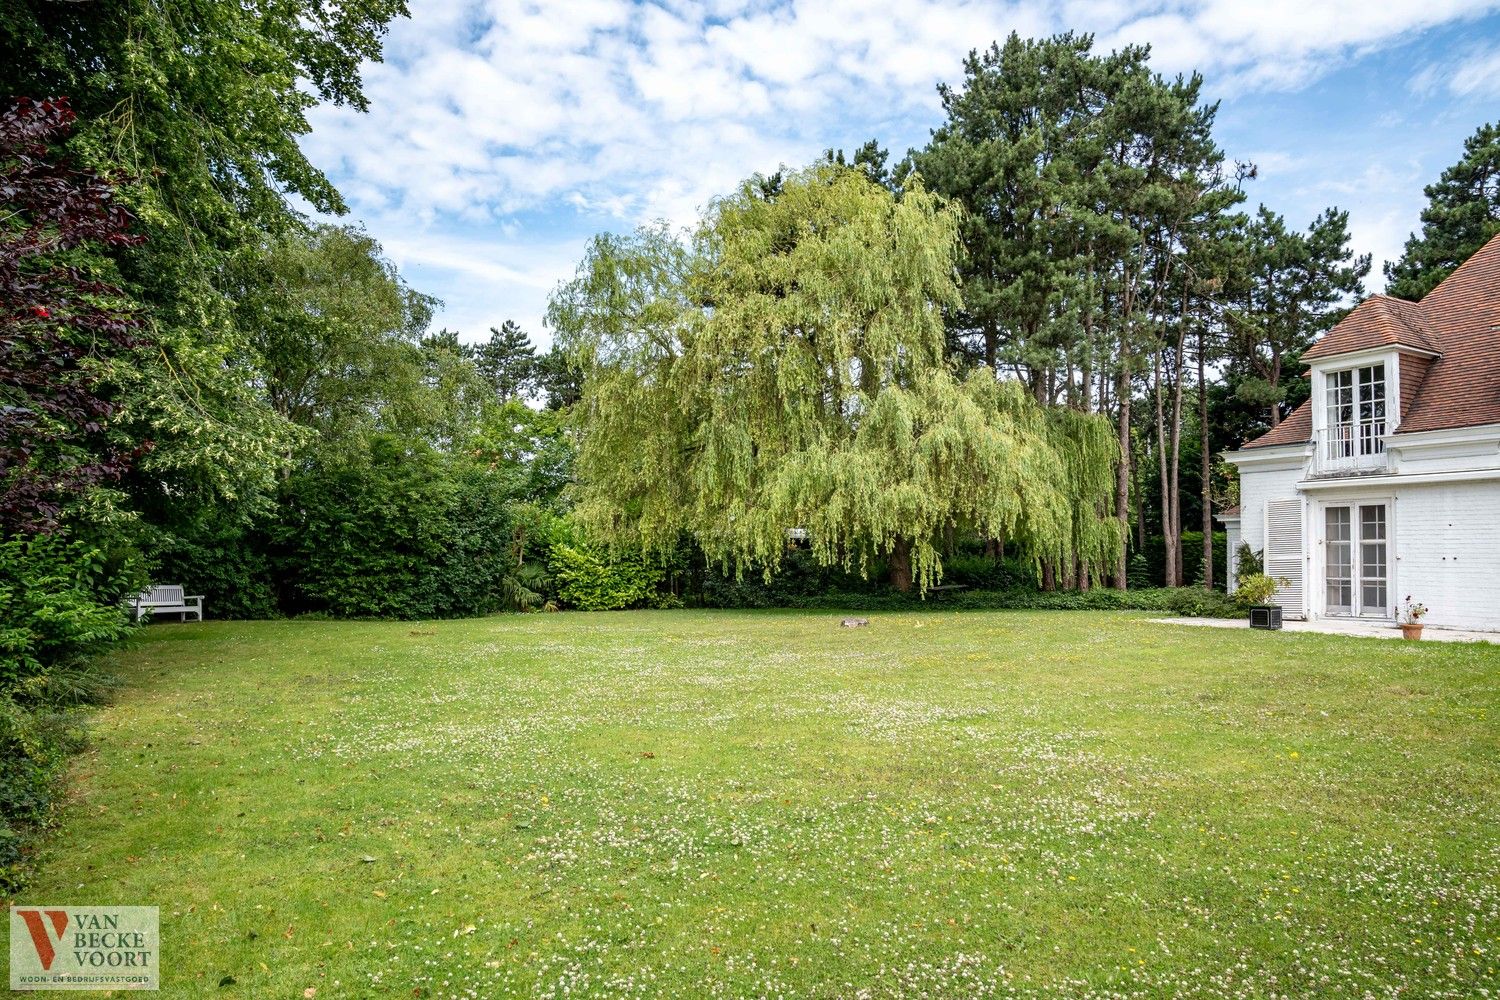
point(60, 324)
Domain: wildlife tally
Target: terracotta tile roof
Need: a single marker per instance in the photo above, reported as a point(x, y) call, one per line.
point(1462, 388)
point(1378, 321)
point(1458, 320)
point(1294, 429)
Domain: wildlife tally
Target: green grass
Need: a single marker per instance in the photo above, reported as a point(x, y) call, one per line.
point(758, 803)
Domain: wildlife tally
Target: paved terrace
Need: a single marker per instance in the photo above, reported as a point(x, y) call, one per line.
point(1367, 630)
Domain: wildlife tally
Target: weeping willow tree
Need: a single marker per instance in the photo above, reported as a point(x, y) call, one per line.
point(783, 368)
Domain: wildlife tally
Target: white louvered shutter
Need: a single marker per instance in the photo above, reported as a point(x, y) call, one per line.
point(1284, 551)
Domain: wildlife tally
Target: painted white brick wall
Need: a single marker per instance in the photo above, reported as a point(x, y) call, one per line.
point(1448, 552)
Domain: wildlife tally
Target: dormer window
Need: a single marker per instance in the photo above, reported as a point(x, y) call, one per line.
point(1355, 400)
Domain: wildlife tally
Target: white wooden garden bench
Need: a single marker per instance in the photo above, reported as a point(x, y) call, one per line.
point(167, 600)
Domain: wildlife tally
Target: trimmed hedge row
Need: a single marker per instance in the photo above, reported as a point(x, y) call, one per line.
point(1193, 602)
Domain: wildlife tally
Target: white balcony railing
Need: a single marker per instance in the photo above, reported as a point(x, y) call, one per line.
point(1350, 450)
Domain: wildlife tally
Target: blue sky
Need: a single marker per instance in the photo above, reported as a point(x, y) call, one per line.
point(502, 134)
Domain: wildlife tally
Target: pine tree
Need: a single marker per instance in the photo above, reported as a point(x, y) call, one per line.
point(1462, 214)
point(508, 361)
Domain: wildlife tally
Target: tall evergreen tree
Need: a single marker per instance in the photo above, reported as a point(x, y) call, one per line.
point(1296, 285)
point(508, 361)
point(1462, 214)
point(1022, 135)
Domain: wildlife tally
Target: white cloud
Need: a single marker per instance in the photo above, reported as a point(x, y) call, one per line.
point(1477, 77)
point(526, 114)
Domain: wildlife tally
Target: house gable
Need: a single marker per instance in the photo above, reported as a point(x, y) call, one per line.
point(1447, 350)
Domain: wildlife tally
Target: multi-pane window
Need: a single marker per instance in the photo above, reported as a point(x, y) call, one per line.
point(1356, 544)
point(1339, 542)
point(1372, 549)
point(1355, 399)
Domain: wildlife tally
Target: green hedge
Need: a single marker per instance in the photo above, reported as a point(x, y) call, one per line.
point(224, 557)
point(404, 534)
point(1187, 601)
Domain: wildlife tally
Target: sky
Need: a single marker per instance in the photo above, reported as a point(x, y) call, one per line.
point(503, 134)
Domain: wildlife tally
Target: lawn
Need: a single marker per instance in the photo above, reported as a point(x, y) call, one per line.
point(744, 804)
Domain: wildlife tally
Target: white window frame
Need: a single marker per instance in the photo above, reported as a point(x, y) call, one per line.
point(1360, 436)
point(1319, 585)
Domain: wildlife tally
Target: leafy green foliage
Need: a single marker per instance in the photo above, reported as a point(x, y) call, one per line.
point(335, 331)
point(1186, 601)
point(1291, 287)
point(508, 361)
point(591, 580)
point(55, 606)
point(1255, 589)
point(786, 371)
point(533, 444)
point(1462, 215)
point(218, 553)
point(59, 605)
point(1192, 546)
point(1247, 562)
point(589, 577)
point(399, 532)
point(1025, 149)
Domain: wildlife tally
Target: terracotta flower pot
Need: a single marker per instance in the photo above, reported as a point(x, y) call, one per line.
point(1411, 630)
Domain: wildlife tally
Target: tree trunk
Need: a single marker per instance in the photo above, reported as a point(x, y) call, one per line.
point(1174, 444)
point(1207, 462)
point(899, 567)
point(1169, 563)
point(1275, 383)
point(1049, 575)
point(1122, 475)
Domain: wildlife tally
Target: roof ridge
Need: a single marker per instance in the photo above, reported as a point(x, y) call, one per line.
point(1377, 320)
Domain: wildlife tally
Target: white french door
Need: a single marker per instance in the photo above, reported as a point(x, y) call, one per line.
point(1356, 564)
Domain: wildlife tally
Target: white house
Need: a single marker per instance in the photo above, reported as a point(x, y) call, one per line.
point(1386, 482)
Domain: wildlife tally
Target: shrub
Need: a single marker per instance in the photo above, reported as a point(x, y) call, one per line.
point(1247, 563)
point(1138, 572)
point(401, 534)
point(800, 577)
point(224, 557)
point(984, 572)
point(59, 604)
point(1257, 588)
point(590, 578)
point(1189, 601)
point(1192, 559)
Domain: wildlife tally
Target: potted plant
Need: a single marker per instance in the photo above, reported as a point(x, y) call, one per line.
point(1254, 591)
point(1411, 619)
